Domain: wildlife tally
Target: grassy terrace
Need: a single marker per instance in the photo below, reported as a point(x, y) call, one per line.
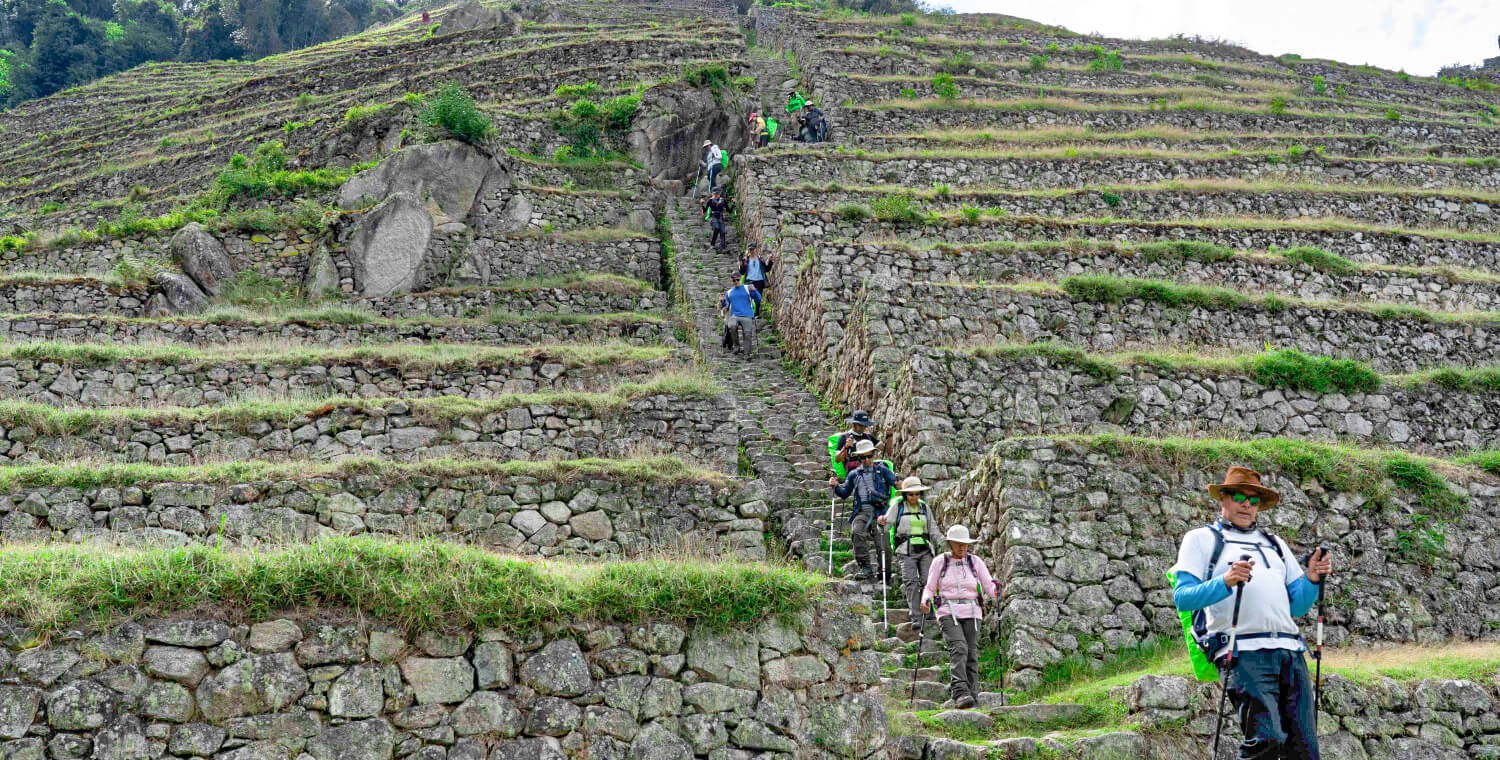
point(402, 356)
point(1283, 368)
point(655, 470)
point(343, 315)
point(414, 586)
point(1298, 152)
point(1198, 186)
point(1344, 144)
point(64, 421)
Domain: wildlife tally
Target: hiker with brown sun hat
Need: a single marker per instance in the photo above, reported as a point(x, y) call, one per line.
point(1243, 588)
point(914, 537)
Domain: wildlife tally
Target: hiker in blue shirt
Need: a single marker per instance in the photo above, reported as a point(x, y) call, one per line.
point(741, 300)
point(1266, 678)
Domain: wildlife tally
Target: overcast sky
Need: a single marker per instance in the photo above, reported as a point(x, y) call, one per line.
point(1419, 36)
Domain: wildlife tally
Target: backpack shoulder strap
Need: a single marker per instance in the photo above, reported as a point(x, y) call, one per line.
point(1213, 557)
point(1275, 542)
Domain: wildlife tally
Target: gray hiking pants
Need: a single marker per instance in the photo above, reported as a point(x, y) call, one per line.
point(747, 338)
point(864, 531)
point(962, 639)
point(914, 569)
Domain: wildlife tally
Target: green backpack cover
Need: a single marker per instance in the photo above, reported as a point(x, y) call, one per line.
point(1203, 670)
point(771, 126)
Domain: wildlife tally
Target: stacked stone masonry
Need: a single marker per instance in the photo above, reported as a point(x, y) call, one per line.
point(587, 517)
point(285, 688)
point(197, 333)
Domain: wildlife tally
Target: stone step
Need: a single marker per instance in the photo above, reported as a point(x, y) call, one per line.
point(1035, 714)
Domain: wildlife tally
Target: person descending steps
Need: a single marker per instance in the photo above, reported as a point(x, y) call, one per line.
point(1244, 588)
point(841, 446)
point(913, 534)
point(956, 586)
point(870, 483)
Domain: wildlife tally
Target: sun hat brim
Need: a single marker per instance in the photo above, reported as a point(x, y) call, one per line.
point(1268, 497)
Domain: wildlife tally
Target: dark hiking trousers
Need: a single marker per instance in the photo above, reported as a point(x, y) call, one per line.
point(717, 238)
point(864, 531)
point(1273, 694)
point(962, 640)
point(914, 569)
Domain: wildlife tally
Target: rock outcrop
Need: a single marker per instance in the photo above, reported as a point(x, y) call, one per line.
point(202, 257)
point(388, 246)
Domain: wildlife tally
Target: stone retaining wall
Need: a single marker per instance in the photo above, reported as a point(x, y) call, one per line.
point(471, 303)
point(82, 296)
point(191, 332)
point(1383, 720)
point(489, 261)
point(1082, 537)
point(1353, 146)
point(1027, 172)
point(869, 121)
point(142, 383)
point(282, 255)
point(551, 208)
point(797, 230)
point(945, 409)
point(1264, 274)
point(701, 429)
point(331, 689)
point(595, 516)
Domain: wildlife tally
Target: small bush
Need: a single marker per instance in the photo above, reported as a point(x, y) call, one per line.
point(942, 189)
point(1277, 105)
point(958, 63)
point(453, 112)
point(1037, 63)
point(594, 128)
point(1107, 289)
point(712, 77)
point(908, 19)
point(357, 115)
point(970, 214)
point(744, 84)
point(1190, 250)
point(1106, 61)
point(1111, 199)
point(575, 90)
point(1392, 114)
point(1319, 85)
point(1317, 258)
point(944, 87)
point(896, 208)
point(255, 290)
point(132, 272)
point(853, 212)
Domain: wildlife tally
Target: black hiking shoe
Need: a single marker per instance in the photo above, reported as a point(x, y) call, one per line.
point(864, 574)
point(965, 702)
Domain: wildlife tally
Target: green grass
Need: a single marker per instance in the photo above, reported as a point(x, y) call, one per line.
point(414, 586)
point(1107, 289)
point(656, 470)
point(1317, 258)
point(404, 356)
point(1284, 368)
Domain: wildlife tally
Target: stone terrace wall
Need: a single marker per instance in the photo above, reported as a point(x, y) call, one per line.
point(477, 302)
point(702, 429)
point(945, 409)
point(1027, 172)
point(273, 254)
point(1270, 274)
point(488, 261)
point(287, 688)
point(83, 296)
point(882, 121)
point(141, 383)
point(1054, 513)
point(797, 230)
point(592, 516)
point(1431, 718)
point(99, 330)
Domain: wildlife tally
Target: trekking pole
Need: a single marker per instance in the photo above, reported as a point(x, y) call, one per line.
point(1234, 630)
point(885, 602)
point(832, 515)
point(1318, 651)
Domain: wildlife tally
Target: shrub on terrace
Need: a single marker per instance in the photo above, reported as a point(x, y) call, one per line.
point(896, 208)
point(1037, 63)
point(944, 87)
point(712, 77)
point(1107, 289)
point(575, 90)
point(594, 128)
point(451, 112)
point(1106, 61)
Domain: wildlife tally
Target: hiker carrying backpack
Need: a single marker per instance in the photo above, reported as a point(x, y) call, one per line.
point(956, 586)
point(914, 538)
point(1239, 614)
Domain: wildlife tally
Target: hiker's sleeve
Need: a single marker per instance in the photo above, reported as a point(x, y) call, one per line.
point(986, 582)
point(1192, 594)
point(755, 293)
point(848, 486)
point(1192, 556)
point(930, 587)
point(1301, 593)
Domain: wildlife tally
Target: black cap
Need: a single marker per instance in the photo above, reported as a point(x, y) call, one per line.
point(860, 417)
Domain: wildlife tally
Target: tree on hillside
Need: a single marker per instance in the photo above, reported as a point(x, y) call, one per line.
point(65, 50)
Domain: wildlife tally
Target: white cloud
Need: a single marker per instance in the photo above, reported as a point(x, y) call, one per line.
point(1419, 36)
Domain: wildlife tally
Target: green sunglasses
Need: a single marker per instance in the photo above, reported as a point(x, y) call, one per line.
point(1240, 498)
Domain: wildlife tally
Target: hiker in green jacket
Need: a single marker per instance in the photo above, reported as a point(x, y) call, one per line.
point(913, 532)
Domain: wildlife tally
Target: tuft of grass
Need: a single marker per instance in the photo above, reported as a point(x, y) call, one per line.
point(1107, 289)
point(897, 208)
point(452, 112)
point(413, 586)
point(1098, 369)
point(1317, 258)
point(1289, 368)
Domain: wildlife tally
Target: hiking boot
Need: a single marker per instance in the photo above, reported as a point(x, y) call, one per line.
point(965, 703)
point(864, 574)
point(949, 705)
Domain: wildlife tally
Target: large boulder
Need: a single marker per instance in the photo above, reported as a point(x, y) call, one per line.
point(472, 15)
point(202, 257)
point(445, 177)
point(673, 122)
point(176, 294)
point(388, 245)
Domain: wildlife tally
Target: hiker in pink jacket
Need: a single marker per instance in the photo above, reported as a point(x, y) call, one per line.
point(953, 585)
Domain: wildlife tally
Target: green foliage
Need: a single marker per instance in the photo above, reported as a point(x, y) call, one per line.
point(713, 76)
point(944, 87)
point(744, 83)
point(255, 290)
point(1111, 198)
point(1392, 114)
point(1277, 105)
point(896, 208)
point(1288, 368)
point(853, 212)
point(263, 175)
point(595, 129)
point(1190, 250)
point(960, 62)
point(1107, 289)
point(1106, 62)
point(357, 115)
point(1317, 258)
point(1037, 63)
point(908, 19)
point(451, 112)
point(969, 214)
point(1319, 86)
point(413, 586)
point(132, 272)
